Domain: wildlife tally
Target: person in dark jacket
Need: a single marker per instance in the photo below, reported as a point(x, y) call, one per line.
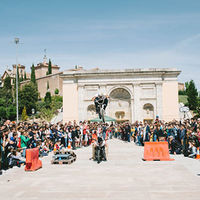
point(175, 146)
point(74, 136)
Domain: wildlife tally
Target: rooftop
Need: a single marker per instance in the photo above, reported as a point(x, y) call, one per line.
point(82, 71)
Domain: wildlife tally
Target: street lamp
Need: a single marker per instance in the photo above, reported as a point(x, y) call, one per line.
point(17, 103)
point(33, 112)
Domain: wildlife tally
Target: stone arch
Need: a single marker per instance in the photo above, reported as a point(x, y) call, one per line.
point(120, 93)
point(121, 87)
point(148, 111)
point(120, 104)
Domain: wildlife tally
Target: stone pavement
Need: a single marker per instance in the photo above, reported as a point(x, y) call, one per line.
point(125, 176)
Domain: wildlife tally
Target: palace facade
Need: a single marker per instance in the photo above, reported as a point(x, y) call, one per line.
point(135, 94)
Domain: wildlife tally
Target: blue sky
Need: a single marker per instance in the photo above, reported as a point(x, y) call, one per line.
point(105, 34)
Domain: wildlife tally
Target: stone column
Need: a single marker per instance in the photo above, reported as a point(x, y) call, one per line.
point(159, 103)
point(137, 111)
point(81, 110)
point(132, 111)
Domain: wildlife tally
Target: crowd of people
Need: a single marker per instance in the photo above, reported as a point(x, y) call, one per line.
point(16, 138)
point(183, 137)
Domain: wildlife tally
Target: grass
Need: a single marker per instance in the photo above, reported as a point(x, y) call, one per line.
point(182, 99)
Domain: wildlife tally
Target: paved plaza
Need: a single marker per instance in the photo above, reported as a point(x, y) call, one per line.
point(124, 176)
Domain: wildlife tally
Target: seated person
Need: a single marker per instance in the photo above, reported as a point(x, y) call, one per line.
point(58, 145)
point(192, 150)
point(15, 159)
point(99, 142)
point(175, 146)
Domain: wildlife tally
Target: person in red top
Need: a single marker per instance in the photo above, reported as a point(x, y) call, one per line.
point(94, 139)
point(57, 145)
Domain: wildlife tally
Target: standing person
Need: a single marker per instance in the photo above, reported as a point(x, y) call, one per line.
point(147, 132)
point(140, 134)
point(155, 133)
point(69, 137)
point(183, 137)
point(78, 133)
point(104, 129)
point(74, 136)
point(24, 142)
point(127, 130)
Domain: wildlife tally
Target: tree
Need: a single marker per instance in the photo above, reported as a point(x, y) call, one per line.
point(192, 95)
point(46, 114)
point(2, 112)
point(21, 78)
point(186, 86)
point(24, 114)
point(56, 91)
point(47, 85)
point(11, 112)
point(33, 80)
point(7, 83)
point(18, 73)
point(49, 68)
point(47, 99)
point(28, 97)
point(24, 75)
point(7, 106)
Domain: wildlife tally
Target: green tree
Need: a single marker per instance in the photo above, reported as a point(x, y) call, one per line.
point(24, 114)
point(18, 73)
point(7, 83)
point(2, 113)
point(11, 112)
point(7, 105)
point(56, 91)
point(186, 86)
point(21, 78)
point(28, 97)
point(192, 94)
point(49, 68)
point(33, 80)
point(47, 85)
point(25, 75)
point(47, 99)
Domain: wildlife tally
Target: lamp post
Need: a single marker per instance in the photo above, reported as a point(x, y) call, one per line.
point(17, 104)
point(33, 112)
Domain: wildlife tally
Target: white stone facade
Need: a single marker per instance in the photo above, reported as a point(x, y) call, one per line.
point(135, 94)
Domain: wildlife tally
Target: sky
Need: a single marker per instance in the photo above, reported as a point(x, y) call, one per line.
point(108, 34)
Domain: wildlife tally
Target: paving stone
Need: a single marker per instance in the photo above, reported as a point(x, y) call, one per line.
point(123, 177)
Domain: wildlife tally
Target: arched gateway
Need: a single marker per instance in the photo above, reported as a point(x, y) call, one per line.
point(120, 104)
point(129, 91)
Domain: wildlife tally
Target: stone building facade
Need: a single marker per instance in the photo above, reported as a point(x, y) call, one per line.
point(54, 81)
point(42, 68)
point(12, 73)
point(135, 94)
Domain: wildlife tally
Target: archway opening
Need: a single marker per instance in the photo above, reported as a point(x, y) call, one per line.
point(148, 112)
point(120, 104)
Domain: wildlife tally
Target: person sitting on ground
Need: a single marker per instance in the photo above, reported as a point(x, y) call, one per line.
point(101, 143)
point(14, 159)
point(175, 146)
point(192, 150)
point(57, 145)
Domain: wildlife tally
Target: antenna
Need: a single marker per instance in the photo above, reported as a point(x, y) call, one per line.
point(45, 56)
